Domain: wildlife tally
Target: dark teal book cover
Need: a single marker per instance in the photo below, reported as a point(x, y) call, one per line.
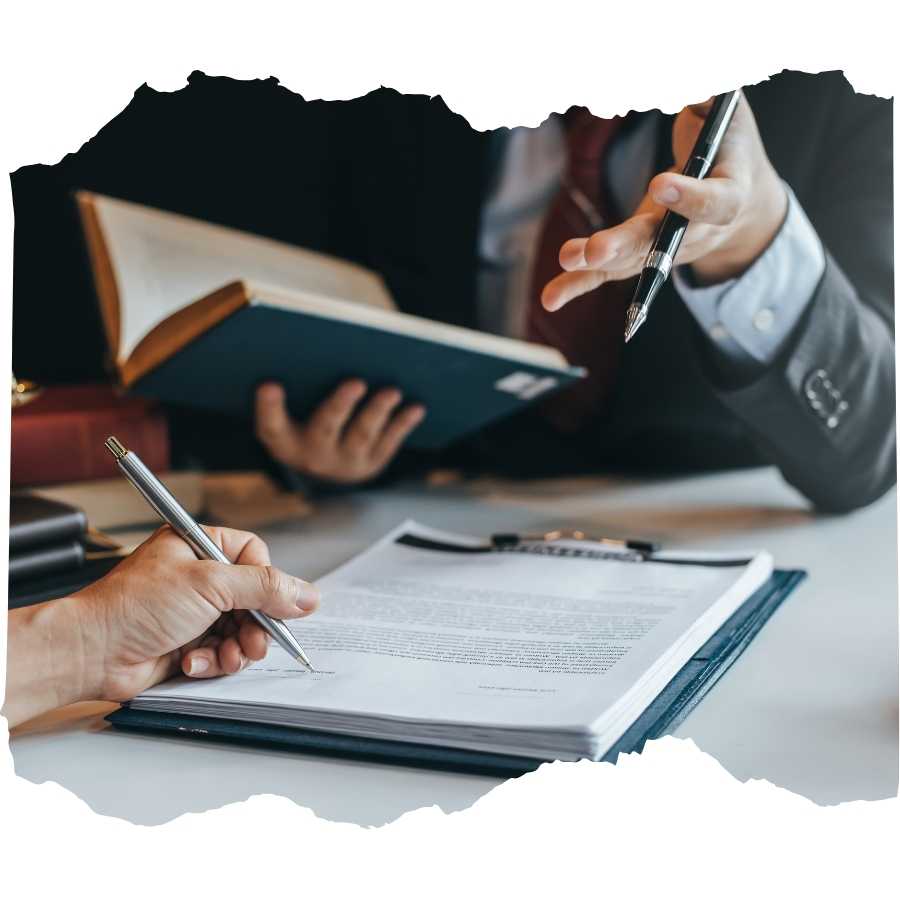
point(462, 389)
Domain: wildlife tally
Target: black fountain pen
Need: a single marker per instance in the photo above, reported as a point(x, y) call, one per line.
point(671, 230)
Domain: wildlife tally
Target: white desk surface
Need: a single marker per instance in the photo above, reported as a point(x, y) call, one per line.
point(811, 705)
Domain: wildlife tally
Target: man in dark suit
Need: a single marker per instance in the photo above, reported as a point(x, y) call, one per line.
point(774, 346)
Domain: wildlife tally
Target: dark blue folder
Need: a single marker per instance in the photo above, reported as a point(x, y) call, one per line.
point(663, 715)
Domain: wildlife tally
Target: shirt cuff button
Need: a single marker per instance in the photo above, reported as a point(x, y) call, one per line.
point(764, 319)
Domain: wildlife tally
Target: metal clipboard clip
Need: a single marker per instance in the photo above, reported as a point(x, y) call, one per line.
point(576, 543)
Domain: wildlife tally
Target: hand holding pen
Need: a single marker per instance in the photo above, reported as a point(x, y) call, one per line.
point(205, 548)
point(734, 213)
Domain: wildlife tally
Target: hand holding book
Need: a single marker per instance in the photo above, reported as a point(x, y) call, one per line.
point(347, 439)
point(198, 316)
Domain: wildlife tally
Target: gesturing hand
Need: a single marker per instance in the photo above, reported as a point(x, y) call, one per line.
point(734, 214)
point(340, 441)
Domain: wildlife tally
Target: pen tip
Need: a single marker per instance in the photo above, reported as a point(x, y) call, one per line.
point(304, 661)
point(634, 318)
point(651, 280)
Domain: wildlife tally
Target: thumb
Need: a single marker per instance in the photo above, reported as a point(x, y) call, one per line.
point(262, 588)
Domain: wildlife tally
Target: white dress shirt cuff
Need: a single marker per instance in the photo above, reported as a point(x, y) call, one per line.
point(749, 318)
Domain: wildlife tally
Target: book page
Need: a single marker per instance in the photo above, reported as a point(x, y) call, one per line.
point(163, 262)
point(512, 640)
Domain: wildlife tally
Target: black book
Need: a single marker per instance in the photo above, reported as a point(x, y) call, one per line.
point(46, 540)
point(51, 585)
point(38, 522)
point(45, 560)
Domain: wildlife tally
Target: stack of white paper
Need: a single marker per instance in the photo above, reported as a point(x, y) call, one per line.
point(527, 654)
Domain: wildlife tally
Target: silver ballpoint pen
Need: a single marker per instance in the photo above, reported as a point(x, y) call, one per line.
point(172, 512)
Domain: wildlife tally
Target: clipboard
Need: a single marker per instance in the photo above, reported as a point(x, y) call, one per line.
point(670, 708)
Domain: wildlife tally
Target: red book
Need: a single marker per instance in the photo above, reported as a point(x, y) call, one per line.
point(58, 436)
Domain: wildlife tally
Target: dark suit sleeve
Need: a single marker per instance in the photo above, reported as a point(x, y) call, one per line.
point(824, 411)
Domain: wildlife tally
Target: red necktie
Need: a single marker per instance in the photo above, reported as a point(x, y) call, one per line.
point(588, 330)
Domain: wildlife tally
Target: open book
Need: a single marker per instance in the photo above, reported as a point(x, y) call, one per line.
point(436, 639)
point(198, 314)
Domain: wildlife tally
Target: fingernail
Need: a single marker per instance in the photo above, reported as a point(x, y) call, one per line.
point(199, 664)
point(669, 194)
point(595, 257)
point(308, 598)
point(571, 259)
point(602, 259)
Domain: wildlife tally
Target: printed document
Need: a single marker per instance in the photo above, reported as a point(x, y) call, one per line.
point(523, 651)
